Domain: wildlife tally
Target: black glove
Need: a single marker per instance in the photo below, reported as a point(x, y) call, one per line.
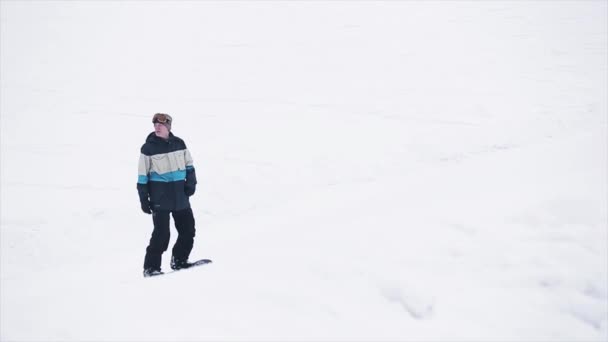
point(145, 207)
point(142, 190)
point(190, 190)
point(190, 186)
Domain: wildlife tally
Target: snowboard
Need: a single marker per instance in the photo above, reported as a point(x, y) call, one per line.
point(194, 264)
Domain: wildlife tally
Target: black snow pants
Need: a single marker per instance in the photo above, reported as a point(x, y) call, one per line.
point(184, 223)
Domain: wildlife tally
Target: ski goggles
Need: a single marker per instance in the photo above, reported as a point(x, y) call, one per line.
point(161, 118)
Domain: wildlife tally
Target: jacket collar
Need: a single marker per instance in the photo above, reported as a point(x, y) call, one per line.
point(153, 138)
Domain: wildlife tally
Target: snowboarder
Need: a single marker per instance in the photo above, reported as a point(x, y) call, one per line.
point(166, 181)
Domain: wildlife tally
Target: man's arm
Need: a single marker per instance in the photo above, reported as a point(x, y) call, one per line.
point(142, 183)
point(190, 174)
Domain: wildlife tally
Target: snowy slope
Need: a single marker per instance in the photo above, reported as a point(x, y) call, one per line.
point(367, 170)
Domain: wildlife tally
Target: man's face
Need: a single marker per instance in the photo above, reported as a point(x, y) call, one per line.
point(161, 130)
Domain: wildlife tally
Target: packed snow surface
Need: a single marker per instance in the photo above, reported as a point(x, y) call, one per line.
point(368, 171)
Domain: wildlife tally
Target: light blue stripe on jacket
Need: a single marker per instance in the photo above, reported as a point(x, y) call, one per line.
point(174, 176)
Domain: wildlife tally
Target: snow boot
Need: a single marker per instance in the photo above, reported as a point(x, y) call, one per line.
point(177, 264)
point(150, 272)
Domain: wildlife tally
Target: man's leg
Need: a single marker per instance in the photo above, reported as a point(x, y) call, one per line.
point(184, 223)
point(159, 240)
